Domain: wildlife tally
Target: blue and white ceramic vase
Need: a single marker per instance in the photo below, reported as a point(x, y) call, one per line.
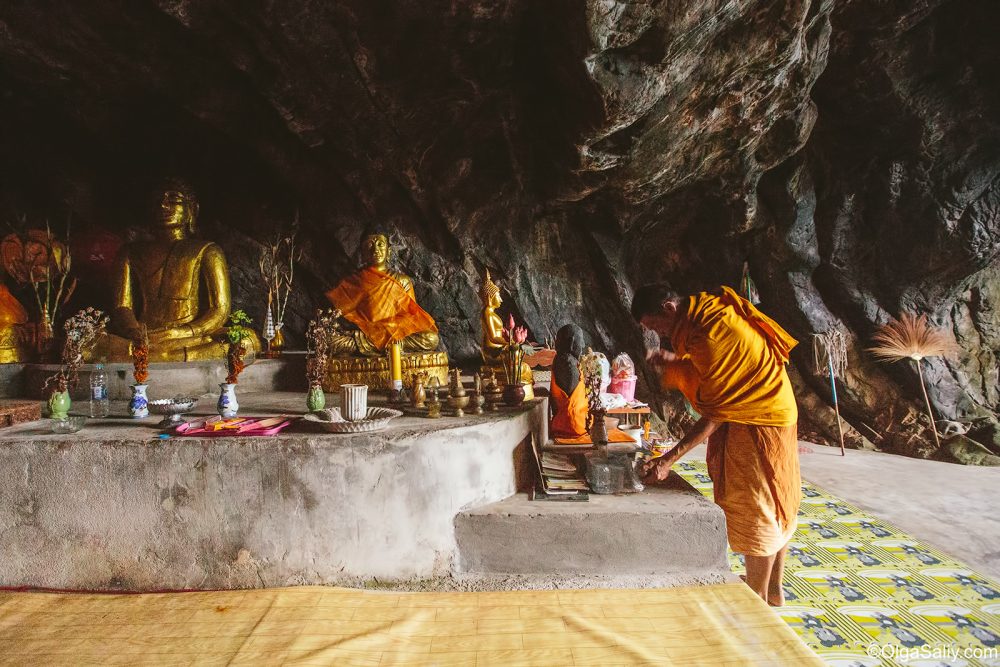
point(138, 406)
point(227, 405)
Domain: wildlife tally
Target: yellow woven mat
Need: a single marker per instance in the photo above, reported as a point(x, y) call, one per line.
point(700, 625)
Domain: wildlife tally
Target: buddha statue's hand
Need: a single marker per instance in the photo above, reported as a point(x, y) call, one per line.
point(165, 335)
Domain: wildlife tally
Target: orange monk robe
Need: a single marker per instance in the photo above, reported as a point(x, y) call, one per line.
point(569, 418)
point(380, 307)
point(11, 310)
point(732, 370)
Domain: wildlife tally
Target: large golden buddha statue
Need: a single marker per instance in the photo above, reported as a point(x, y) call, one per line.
point(174, 285)
point(380, 308)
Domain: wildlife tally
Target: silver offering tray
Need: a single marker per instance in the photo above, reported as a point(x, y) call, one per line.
point(331, 421)
point(172, 409)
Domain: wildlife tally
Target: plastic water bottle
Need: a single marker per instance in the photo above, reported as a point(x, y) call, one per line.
point(99, 403)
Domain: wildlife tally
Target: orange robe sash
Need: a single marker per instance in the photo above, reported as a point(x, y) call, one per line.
point(732, 366)
point(380, 307)
point(756, 482)
point(570, 411)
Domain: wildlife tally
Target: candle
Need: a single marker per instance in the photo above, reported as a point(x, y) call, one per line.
point(396, 364)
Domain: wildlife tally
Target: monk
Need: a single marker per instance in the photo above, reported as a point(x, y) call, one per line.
point(567, 391)
point(729, 360)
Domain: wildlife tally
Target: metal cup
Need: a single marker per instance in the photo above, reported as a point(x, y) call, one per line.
point(354, 401)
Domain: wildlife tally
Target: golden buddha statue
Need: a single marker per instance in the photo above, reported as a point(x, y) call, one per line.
point(380, 308)
point(12, 318)
point(174, 285)
point(493, 343)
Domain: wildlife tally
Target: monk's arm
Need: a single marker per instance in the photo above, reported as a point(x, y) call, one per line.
point(698, 434)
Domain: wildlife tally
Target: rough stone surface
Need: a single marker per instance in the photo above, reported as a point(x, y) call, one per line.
point(850, 151)
point(111, 507)
point(670, 530)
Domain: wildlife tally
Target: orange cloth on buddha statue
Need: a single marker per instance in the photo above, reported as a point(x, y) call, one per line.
point(570, 411)
point(11, 310)
point(732, 370)
point(380, 307)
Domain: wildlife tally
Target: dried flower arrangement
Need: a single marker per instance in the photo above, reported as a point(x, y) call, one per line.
point(318, 334)
point(592, 366)
point(81, 331)
point(277, 268)
point(913, 337)
point(514, 338)
point(140, 356)
point(237, 334)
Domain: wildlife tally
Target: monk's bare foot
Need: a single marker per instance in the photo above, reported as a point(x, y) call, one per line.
point(776, 599)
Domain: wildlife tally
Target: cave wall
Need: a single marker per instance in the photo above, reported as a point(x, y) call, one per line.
point(577, 148)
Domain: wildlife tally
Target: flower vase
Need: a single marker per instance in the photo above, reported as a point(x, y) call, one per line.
point(138, 406)
point(316, 400)
point(598, 428)
point(227, 405)
point(513, 394)
point(59, 404)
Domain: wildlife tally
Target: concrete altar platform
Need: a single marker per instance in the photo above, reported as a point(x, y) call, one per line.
point(426, 504)
point(669, 531)
point(112, 507)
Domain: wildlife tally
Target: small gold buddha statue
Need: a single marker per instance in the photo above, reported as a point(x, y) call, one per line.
point(380, 307)
point(493, 342)
point(13, 317)
point(175, 285)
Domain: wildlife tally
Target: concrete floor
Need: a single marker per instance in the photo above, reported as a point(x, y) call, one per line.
point(953, 507)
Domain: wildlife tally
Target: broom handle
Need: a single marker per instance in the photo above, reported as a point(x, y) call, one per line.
point(836, 403)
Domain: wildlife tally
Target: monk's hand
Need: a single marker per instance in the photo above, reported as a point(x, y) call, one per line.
point(657, 470)
point(660, 357)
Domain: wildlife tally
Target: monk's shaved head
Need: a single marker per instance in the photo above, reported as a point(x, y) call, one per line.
point(649, 300)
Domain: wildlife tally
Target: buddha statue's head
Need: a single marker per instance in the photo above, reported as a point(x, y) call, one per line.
point(176, 208)
point(489, 292)
point(376, 250)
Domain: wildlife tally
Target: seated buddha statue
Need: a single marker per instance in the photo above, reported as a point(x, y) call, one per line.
point(493, 343)
point(12, 318)
point(174, 285)
point(380, 307)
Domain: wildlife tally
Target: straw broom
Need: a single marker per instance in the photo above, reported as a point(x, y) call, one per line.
point(830, 357)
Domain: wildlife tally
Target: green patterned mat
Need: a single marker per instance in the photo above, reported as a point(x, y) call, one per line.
point(861, 592)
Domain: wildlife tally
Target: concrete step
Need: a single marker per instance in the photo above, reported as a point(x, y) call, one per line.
point(669, 530)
